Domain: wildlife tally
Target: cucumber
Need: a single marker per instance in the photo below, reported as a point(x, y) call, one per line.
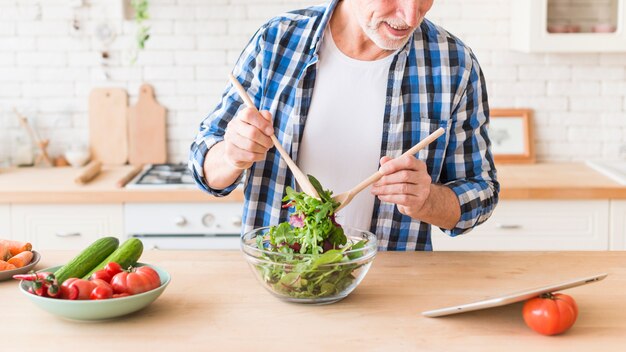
point(126, 255)
point(87, 259)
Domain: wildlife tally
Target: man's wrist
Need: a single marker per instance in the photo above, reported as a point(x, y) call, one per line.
point(441, 207)
point(426, 209)
point(218, 171)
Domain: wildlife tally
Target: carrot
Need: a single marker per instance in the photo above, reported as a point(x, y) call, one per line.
point(4, 252)
point(21, 259)
point(6, 266)
point(16, 247)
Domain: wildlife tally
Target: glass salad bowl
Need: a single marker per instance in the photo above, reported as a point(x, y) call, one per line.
point(310, 278)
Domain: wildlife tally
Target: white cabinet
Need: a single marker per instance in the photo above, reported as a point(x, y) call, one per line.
point(536, 225)
point(5, 221)
point(618, 225)
point(568, 25)
point(66, 226)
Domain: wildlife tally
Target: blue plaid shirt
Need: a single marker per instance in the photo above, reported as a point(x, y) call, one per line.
point(434, 81)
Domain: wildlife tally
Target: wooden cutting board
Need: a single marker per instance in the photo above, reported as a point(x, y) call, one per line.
point(108, 131)
point(146, 129)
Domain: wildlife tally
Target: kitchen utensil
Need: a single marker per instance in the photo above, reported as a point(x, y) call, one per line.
point(304, 278)
point(8, 274)
point(108, 130)
point(77, 157)
point(146, 130)
point(88, 172)
point(42, 144)
point(129, 176)
point(302, 179)
point(97, 309)
point(346, 197)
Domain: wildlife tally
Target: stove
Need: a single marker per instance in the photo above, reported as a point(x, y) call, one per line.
point(169, 176)
point(180, 225)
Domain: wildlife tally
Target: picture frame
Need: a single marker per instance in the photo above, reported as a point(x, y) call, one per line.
point(511, 135)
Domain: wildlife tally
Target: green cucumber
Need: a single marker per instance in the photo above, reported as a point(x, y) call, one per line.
point(126, 255)
point(87, 259)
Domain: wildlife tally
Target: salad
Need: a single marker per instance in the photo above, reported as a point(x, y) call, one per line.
point(310, 256)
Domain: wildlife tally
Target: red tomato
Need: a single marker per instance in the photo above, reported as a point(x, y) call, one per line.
point(77, 289)
point(136, 281)
point(113, 268)
point(65, 289)
point(550, 314)
point(101, 275)
point(101, 283)
point(101, 292)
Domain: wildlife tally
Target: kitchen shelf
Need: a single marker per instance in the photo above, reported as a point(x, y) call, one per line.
point(530, 20)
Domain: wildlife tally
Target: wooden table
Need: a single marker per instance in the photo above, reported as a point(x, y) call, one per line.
point(215, 304)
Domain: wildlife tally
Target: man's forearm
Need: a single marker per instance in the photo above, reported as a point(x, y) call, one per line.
point(442, 208)
point(218, 172)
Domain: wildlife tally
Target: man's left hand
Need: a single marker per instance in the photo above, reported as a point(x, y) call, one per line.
point(406, 183)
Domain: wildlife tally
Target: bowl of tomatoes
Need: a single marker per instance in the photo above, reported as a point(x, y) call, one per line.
point(76, 301)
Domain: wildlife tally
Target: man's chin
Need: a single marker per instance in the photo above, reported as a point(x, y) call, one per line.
point(388, 43)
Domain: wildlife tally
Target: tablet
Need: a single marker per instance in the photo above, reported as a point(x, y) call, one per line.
point(512, 297)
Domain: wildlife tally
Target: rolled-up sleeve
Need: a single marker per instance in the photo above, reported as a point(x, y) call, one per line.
point(212, 129)
point(469, 169)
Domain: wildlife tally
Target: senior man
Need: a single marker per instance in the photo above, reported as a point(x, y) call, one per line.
point(347, 88)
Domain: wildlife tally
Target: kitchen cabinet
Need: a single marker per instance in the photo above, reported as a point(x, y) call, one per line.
point(566, 26)
point(536, 225)
point(5, 221)
point(618, 225)
point(65, 226)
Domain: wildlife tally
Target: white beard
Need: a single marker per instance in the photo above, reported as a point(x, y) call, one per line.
point(384, 42)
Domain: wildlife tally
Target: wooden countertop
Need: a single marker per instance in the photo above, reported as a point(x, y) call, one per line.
point(56, 185)
point(556, 181)
point(215, 303)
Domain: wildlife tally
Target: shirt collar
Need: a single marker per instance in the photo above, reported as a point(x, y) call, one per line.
point(330, 8)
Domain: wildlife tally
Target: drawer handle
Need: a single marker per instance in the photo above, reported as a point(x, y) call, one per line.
point(67, 234)
point(508, 226)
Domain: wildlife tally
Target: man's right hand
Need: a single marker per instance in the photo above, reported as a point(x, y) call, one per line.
point(247, 138)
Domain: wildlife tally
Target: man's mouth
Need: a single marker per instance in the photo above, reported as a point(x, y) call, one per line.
point(397, 30)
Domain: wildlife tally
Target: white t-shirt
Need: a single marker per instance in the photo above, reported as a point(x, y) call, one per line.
point(342, 135)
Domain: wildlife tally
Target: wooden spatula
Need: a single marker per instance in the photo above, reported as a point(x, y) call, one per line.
point(346, 197)
point(302, 179)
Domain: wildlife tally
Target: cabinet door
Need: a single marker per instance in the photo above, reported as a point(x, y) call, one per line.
point(5, 221)
point(536, 225)
point(70, 227)
point(618, 225)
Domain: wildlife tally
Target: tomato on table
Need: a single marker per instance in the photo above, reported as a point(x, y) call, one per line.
point(550, 314)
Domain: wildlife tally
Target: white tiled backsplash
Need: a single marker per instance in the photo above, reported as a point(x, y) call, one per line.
point(47, 69)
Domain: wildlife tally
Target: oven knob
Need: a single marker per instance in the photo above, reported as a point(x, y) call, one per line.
point(208, 220)
point(236, 221)
point(180, 221)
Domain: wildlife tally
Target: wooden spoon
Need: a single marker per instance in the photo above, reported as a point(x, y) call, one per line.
point(302, 179)
point(346, 197)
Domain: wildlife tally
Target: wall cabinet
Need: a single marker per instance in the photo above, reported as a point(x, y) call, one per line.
point(536, 225)
point(568, 26)
point(5, 221)
point(66, 226)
